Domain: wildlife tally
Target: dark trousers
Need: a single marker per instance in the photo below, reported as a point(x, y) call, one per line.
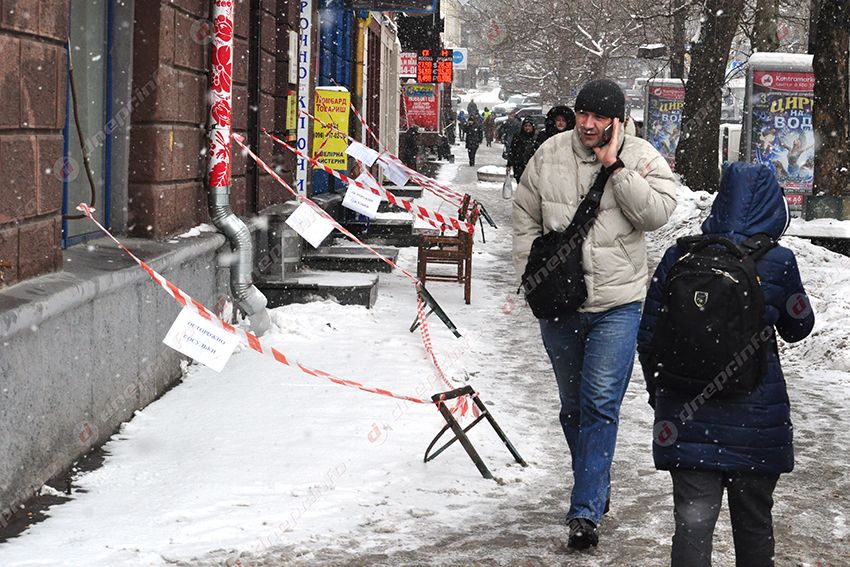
point(697, 496)
point(472, 151)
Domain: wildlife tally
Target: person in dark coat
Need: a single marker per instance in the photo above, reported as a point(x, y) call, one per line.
point(558, 119)
point(507, 131)
point(522, 148)
point(410, 147)
point(474, 136)
point(461, 124)
point(744, 443)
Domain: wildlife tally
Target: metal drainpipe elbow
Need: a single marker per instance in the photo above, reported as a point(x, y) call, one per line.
point(248, 298)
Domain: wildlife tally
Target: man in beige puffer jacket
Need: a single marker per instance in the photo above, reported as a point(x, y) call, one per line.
point(592, 351)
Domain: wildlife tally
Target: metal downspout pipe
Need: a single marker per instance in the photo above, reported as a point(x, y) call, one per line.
point(247, 297)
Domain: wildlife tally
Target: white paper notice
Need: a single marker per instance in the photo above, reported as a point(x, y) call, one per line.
point(362, 201)
point(362, 153)
point(395, 173)
point(309, 224)
point(201, 340)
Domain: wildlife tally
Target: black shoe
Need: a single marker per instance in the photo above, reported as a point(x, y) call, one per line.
point(583, 533)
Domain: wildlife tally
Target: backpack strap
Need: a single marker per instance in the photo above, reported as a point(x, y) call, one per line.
point(758, 245)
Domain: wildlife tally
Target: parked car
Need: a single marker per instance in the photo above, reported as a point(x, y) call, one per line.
point(522, 114)
point(511, 104)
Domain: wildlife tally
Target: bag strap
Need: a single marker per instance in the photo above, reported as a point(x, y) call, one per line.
point(589, 206)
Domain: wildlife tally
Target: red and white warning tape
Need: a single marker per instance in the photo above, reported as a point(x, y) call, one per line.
point(422, 180)
point(434, 218)
point(386, 156)
point(240, 141)
point(246, 337)
point(462, 404)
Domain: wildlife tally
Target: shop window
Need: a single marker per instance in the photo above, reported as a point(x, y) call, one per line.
point(90, 54)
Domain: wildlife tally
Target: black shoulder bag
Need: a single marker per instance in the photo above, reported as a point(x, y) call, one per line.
point(554, 278)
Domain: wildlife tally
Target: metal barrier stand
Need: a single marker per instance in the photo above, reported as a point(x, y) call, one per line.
point(460, 432)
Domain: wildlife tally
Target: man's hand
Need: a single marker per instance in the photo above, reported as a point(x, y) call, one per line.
point(608, 153)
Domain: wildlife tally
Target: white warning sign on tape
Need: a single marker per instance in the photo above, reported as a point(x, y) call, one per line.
point(361, 200)
point(362, 153)
point(309, 224)
point(395, 173)
point(201, 340)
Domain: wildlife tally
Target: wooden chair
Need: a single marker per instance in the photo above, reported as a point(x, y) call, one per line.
point(450, 250)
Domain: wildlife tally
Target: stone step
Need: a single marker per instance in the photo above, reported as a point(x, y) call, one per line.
point(385, 207)
point(396, 231)
point(307, 286)
point(349, 259)
point(409, 192)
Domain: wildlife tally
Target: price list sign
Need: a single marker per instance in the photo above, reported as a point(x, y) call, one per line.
point(425, 68)
point(445, 66)
point(435, 66)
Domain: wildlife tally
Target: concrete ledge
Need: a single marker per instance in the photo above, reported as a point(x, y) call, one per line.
point(82, 350)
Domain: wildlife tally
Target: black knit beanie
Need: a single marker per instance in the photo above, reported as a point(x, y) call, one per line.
point(603, 97)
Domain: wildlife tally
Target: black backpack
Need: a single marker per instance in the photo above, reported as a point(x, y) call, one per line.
point(711, 337)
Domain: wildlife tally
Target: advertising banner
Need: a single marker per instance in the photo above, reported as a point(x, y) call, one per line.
point(408, 64)
point(664, 105)
point(332, 107)
point(782, 134)
point(422, 107)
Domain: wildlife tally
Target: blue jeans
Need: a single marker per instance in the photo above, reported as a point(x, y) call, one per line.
point(592, 355)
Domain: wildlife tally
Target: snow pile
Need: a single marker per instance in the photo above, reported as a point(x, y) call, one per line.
point(826, 276)
point(692, 209)
point(197, 231)
point(823, 228)
point(492, 170)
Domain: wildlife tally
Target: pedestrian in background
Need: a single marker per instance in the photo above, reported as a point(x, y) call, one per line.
point(522, 148)
point(559, 119)
point(474, 136)
point(507, 131)
point(490, 128)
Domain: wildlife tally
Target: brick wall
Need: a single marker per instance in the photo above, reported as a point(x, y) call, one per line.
point(170, 47)
point(33, 75)
point(167, 190)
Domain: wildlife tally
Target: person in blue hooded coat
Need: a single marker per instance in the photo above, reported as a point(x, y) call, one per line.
point(744, 443)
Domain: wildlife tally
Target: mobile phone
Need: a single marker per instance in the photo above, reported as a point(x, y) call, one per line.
point(606, 135)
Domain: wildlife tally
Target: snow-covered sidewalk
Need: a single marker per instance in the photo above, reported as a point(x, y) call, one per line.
point(260, 465)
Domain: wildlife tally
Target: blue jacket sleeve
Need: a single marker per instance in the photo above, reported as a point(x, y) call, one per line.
point(797, 319)
point(651, 311)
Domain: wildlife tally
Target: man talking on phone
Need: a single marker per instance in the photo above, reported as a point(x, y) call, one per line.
point(592, 348)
